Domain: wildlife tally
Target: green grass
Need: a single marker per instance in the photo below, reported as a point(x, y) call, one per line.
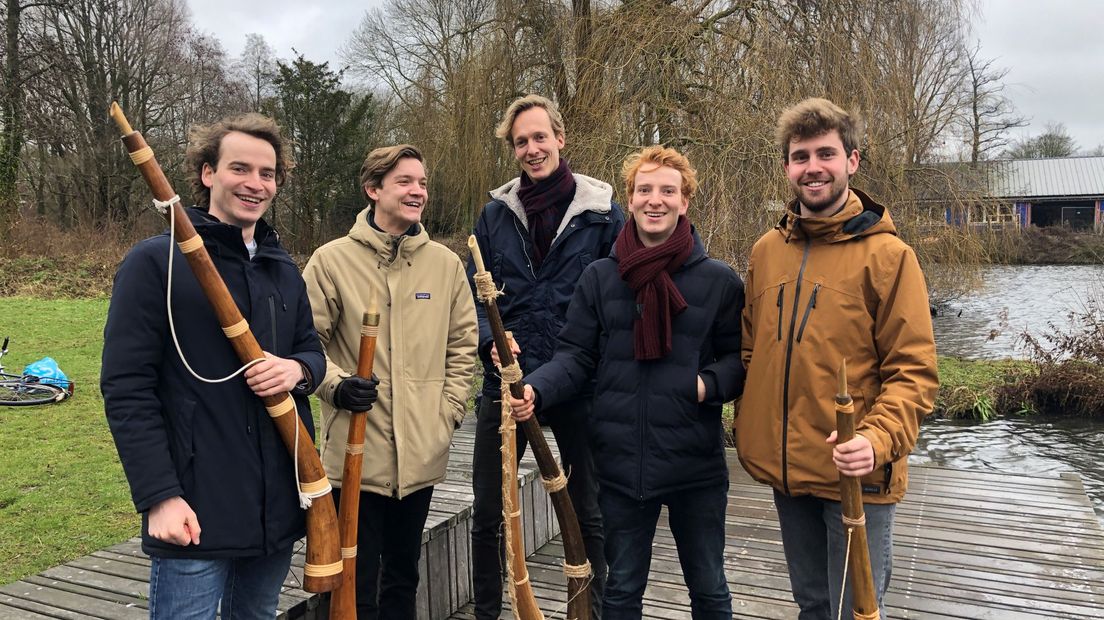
point(968, 388)
point(62, 490)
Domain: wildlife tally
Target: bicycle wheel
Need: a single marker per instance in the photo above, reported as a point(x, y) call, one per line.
point(20, 393)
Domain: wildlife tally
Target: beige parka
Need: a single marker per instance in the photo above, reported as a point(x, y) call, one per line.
point(425, 352)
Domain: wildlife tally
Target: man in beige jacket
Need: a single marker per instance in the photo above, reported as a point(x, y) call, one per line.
point(425, 358)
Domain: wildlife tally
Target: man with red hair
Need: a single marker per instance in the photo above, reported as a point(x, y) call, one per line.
point(657, 326)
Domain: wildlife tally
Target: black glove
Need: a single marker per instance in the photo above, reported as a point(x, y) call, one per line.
point(356, 393)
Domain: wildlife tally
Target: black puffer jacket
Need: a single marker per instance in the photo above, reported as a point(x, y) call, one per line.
point(649, 434)
point(212, 444)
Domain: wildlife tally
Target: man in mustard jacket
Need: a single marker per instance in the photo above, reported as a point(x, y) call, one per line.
point(425, 360)
point(832, 281)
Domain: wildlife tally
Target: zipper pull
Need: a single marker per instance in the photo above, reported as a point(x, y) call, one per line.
point(813, 300)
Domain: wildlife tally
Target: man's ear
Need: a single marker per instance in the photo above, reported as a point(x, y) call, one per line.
point(373, 192)
point(853, 162)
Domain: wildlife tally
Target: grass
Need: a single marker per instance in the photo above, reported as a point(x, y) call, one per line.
point(969, 389)
point(62, 490)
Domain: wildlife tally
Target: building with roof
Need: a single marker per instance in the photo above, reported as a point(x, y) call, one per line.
point(1065, 191)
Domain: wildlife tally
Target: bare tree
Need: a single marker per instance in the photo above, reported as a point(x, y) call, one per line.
point(257, 68)
point(1055, 141)
point(989, 115)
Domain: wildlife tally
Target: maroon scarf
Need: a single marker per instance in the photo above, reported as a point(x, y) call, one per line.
point(545, 204)
point(648, 271)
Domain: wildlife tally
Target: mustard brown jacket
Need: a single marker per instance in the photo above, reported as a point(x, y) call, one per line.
point(820, 290)
point(425, 351)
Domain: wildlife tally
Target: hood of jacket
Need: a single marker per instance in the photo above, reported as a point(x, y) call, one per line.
point(860, 216)
point(590, 195)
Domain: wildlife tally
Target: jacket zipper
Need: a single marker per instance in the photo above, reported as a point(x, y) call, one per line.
point(641, 417)
point(524, 248)
point(786, 380)
point(808, 311)
point(272, 314)
point(781, 291)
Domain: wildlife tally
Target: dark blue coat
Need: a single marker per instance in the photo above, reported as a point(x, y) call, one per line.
point(649, 434)
point(535, 302)
point(212, 444)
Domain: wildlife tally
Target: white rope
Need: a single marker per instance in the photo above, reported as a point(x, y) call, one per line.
point(305, 499)
point(163, 206)
point(846, 561)
point(168, 306)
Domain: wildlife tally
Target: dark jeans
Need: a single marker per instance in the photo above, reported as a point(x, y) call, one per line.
point(815, 544)
point(389, 544)
point(568, 424)
point(697, 519)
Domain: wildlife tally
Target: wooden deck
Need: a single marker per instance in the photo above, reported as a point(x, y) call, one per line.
point(968, 544)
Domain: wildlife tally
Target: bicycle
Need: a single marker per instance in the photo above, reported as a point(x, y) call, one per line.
point(24, 390)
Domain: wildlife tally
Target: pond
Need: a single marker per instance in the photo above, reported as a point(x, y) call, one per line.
point(986, 326)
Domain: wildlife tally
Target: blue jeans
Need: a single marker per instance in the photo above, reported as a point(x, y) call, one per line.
point(815, 544)
point(697, 519)
point(187, 589)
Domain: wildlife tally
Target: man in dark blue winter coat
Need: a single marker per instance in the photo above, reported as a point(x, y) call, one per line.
point(657, 325)
point(213, 481)
point(537, 234)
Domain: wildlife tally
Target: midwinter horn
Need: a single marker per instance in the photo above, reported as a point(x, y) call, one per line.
point(322, 570)
point(864, 600)
point(576, 565)
point(343, 599)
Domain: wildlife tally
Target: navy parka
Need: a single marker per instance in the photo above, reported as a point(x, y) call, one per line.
point(535, 301)
point(212, 444)
point(649, 434)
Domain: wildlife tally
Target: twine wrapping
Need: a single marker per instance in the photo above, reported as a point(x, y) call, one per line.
point(485, 287)
point(163, 206)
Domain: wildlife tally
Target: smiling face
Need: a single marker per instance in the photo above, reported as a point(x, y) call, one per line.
point(243, 181)
point(819, 169)
point(401, 196)
point(536, 145)
point(657, 202)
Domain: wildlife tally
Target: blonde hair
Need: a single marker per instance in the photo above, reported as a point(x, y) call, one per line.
point(506, 125)
point(660, 156)
point(815, 117)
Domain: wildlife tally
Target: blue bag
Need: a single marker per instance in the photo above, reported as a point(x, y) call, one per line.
point(47, 371)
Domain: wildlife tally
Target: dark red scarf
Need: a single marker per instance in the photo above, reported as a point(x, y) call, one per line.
point(648, 271)
point(545, 204)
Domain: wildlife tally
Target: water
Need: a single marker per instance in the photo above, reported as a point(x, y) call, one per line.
point(1021, 446)
point(1028, 296)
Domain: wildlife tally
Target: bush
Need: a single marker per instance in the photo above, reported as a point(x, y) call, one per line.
point(1067, 367)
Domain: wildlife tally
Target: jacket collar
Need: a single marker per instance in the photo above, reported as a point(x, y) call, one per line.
point(590, 195)
point(387, 246)
point(226, 239)
point(860, 216)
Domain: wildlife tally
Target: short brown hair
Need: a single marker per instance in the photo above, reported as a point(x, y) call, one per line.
point(205, 144)
point(380, 161)
point(659, 156)
point(521, 104)
point(815, 117)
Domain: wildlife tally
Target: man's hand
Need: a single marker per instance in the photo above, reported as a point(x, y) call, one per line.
point(701, 389)
point(173, 521)
point(514, 348)
point(273, 375)
point(356, 393)
point(522, 409)
point(854, 458)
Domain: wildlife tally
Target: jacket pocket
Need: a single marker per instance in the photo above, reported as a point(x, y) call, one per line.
point(182, 441)
point(809, 307)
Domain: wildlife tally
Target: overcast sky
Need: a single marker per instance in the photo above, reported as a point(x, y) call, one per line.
point(1054, 48)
